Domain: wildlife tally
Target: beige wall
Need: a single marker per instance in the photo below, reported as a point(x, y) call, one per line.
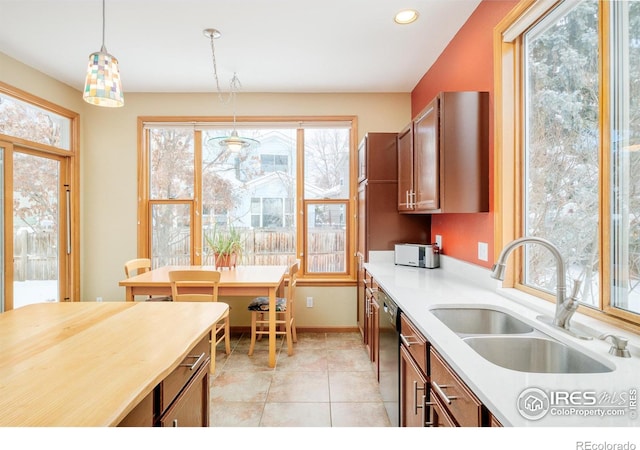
point(109, 177)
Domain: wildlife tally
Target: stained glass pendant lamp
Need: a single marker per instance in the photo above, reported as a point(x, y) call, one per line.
point(103, 86)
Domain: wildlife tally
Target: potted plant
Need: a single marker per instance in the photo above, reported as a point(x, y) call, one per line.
point(226, 246)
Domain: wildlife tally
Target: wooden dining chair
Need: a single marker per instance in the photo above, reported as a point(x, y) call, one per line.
point(141, 265)
point(208, 280)
point(285, 313)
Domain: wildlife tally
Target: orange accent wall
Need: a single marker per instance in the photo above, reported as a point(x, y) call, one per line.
point(466, 64)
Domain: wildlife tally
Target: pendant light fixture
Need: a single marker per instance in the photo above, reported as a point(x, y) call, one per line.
point(232, 143)
point(103, 86)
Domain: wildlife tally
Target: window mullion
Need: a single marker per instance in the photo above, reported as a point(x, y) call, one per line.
point(197, 238)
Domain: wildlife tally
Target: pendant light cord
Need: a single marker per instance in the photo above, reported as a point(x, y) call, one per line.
point(234, 84)
point(103, 49)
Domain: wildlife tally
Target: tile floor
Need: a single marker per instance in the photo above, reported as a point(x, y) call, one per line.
point(327, 382)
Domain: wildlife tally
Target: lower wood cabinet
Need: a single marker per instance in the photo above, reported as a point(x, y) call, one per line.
point(439, 415)
point(371, 322)
point(190, 407)
point(456, 399)
point(182, 398)
point(142, 415)
point(413, 392)
point(431, 393)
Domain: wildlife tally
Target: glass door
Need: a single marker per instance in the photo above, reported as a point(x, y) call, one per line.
point(39, 241)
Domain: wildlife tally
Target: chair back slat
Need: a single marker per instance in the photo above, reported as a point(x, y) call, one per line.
point(136, 266)
point(292, 280)
point(181, 279)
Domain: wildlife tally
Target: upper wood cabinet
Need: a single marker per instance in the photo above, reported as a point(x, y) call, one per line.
point(443, 156)
point(380, 226)
point(405, 169)
point(377, 158)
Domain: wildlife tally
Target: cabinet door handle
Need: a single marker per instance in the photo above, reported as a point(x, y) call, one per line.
point(439, 390)
point(174, 423)
point(424, 411)
point(416, 388)
point(406, 340)
point(195, 363)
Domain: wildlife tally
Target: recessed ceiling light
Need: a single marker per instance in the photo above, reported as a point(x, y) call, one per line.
point(406, 16)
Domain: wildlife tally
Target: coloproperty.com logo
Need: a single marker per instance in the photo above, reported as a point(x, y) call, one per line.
point(535, 403)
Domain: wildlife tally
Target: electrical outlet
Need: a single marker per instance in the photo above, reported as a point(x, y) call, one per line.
point(439, 241)
point(98, 299)
point(309, 302)
point(483, 251)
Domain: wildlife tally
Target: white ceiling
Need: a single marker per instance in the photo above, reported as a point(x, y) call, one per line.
point(273, 45)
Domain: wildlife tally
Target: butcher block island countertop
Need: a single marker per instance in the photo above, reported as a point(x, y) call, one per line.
point(90, 364)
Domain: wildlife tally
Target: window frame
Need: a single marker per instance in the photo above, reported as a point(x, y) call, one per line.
point(69, 263)
point(296, 122)
point(508, 157)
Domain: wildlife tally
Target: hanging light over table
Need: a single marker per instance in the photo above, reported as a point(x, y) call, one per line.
point(103, 86)
point(233, 142)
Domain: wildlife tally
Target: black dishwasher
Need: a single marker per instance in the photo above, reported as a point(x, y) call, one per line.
point(389, 327)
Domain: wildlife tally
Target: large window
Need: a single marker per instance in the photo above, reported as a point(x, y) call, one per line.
point(625, 156)
point(569, 111)
point(288, 196)
point(561, 142)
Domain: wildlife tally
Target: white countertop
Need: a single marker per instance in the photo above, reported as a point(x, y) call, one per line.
point(416, 290)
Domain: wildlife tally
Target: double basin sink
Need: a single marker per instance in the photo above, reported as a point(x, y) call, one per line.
point(509, 342)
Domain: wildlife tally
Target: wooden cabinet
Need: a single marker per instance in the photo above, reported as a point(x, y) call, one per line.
point(426, 159)
point(405, 169)
point(363, 305)
point(431, 393)
point(142, 415)
point(379, 224)
point(190, 407)
point(456, 400)
point(182, 398)
point(360, 300)
point(414, 394)
point(443, 156)
point(372, 335)
point(439, 415)
point(377, 158)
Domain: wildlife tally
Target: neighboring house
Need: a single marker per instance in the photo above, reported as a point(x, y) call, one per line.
point(264, 187)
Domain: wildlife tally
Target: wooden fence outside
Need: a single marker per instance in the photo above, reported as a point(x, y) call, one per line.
point(36, 258)
point(261, 247)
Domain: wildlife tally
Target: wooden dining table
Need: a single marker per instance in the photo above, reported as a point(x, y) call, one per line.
point(241, 281)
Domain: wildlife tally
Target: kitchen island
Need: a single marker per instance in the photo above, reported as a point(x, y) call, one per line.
point(92, 364)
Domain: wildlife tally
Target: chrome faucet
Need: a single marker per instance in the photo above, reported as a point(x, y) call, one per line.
point(565, 307)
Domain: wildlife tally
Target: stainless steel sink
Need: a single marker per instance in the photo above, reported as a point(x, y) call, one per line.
point(480, 321)
point(534, 354)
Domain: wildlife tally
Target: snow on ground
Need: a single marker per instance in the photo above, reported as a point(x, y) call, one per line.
point(34, 291)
